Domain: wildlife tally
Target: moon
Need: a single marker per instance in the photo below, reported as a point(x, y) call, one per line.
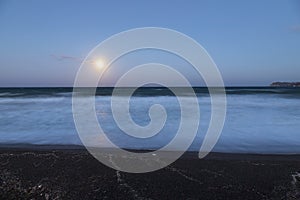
point(99, 63)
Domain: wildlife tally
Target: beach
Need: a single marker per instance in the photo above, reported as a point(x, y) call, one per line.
point(62, 172)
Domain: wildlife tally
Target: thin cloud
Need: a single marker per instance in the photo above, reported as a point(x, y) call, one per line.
point(71, 58)
point(295, 28)
point(65, 58)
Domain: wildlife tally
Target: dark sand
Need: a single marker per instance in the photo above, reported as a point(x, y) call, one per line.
point(41, 173)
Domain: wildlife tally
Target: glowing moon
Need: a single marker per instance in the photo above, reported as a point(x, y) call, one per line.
point(99, 63)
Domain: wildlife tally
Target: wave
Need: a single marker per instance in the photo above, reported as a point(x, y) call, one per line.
point(9, 94)
point(32, 100)
point(146, 91)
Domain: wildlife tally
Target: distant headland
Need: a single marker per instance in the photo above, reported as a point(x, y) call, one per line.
point(285, 84)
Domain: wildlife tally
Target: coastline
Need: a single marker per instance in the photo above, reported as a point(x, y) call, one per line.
point(70, 172)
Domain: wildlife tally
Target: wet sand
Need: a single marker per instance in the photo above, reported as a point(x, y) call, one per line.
point(72, 173)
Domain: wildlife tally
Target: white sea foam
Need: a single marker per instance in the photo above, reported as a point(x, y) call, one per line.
point(27, 100)
point(9, 94)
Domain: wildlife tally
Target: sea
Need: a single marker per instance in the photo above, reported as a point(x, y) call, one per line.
point(262, 120)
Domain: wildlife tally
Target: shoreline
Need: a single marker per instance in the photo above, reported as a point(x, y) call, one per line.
point(213, 154)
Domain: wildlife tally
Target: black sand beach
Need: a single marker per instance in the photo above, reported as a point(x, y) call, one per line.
point(42, 173)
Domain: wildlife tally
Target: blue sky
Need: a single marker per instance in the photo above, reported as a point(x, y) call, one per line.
point(252, 42)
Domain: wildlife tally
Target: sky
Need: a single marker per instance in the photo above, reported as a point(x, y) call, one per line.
point(253, 43)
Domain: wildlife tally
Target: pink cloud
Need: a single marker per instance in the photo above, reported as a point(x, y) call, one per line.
point(295, 28)
point(65, 57)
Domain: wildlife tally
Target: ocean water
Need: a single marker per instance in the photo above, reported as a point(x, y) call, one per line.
point(259, 120)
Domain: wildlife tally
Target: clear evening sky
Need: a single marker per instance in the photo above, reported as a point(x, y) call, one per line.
point(252, 42)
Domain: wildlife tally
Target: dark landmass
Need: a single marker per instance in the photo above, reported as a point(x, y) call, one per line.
point(75, 174)
point(285, 84)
